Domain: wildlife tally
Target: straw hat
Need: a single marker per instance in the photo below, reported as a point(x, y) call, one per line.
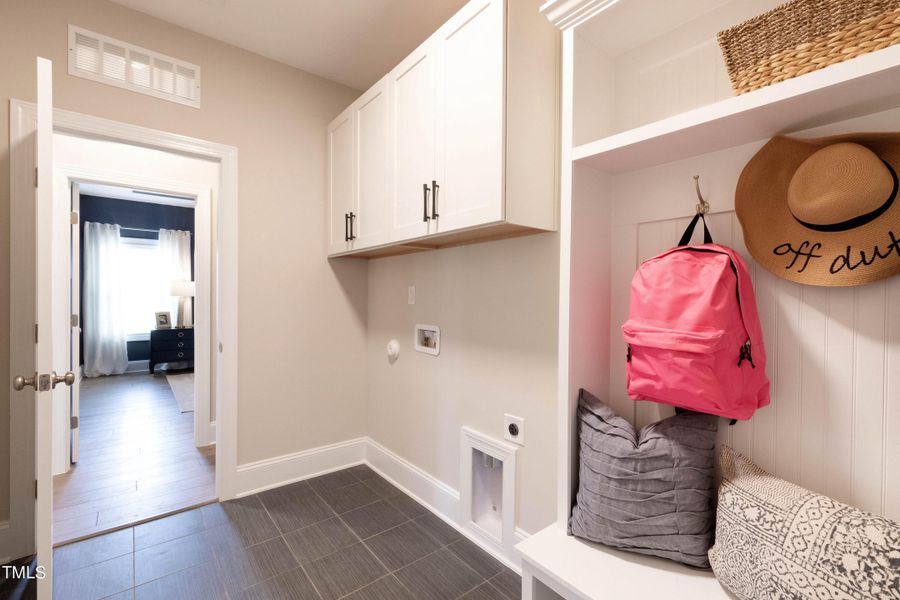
point(824, 211)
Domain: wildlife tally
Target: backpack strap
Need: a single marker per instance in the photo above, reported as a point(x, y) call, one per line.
point(689, 232)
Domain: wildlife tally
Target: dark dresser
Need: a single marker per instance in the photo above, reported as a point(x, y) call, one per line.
point(171, 346)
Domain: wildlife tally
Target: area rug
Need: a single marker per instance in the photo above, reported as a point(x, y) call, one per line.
point(182, 385)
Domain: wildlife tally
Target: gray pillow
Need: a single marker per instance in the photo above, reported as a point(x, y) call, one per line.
point(652, 491)
point(778, 540)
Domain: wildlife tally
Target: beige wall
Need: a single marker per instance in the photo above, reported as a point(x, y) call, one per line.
point(302, 318)
point(496, 305)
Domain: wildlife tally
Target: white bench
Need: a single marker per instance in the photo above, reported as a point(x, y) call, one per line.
point(556, 565)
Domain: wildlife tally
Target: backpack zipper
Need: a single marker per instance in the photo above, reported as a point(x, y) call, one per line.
point(745, 354)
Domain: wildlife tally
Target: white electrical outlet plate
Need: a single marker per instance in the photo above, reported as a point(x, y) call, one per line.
point(411, 294)
point(518, 424)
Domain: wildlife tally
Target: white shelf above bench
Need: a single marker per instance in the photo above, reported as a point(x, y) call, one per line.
point(867, 84)
point(573, 568)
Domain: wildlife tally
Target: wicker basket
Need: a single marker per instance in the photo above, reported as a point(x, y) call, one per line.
point(805, 35)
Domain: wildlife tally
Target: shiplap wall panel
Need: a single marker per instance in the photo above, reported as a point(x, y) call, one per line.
point(833, 360)
point(892, 406)
point(787, 379)
point(813, 309)
point(868, 397)
point(624, 240)
point(839, 357)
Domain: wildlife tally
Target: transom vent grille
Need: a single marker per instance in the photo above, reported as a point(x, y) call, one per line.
point(106, 60)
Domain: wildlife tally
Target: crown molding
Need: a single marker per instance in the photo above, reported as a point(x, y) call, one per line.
point(566, 14)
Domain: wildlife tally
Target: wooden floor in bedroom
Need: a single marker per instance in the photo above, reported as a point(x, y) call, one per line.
point(137, 459)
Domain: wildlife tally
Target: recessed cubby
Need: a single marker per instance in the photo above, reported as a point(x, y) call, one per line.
point(488, 488)
point(487, 493)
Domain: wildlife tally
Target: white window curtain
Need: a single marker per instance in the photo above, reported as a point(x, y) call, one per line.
point(175, 257)
point(105, 349)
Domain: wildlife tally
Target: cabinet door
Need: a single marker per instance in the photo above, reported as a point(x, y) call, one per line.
point(340, 180)
point(371, 117)
point(471, 85)
point(413, 97)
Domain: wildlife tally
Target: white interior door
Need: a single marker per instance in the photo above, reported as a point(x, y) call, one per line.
point(45, 258)
point(75, 323)
point(413, 99)
point(470, 107)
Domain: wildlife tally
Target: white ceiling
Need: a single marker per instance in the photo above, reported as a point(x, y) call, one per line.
point(353, 42)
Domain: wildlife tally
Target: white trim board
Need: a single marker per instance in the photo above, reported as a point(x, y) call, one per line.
point(438, 497)
point(88, 171)
point(269, 473)
point(427, 489)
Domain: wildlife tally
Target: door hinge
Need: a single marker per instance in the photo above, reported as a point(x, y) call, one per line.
point(74, 321)
point(35, 177)
point(73, 422)
point(35, 333)
point(74, 218)
point(35, 488)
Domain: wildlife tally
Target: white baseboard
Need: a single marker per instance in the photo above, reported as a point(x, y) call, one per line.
point(138, 366)
point(261, 475)
point(439, 497)
point(424, 487)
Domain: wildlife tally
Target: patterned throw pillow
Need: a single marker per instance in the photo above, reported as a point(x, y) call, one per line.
point(777, 540)
point(650, 491)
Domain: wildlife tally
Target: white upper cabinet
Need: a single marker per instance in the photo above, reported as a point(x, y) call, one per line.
point(340, 181)
point(469, 179)
point(413, 99)
point(467, 150)
point(373, 190)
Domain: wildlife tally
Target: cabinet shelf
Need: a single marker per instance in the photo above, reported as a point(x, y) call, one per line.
point(864, 85)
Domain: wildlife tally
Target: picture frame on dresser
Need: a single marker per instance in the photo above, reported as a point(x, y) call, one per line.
point(163, 320)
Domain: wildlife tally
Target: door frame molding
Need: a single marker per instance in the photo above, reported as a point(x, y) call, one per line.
point(22, 121)
point(203, 431)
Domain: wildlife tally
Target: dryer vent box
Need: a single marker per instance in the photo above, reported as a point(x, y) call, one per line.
point(428, 339)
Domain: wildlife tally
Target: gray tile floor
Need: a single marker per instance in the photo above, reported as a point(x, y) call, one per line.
point(348, 534)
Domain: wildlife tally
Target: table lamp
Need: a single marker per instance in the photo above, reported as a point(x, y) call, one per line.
point(184, 291)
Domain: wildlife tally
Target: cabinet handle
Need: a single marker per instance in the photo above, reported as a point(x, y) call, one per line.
point(434, 199)
point(352, 235)
point(180, 334)
point(346, 231)
point(425, 216)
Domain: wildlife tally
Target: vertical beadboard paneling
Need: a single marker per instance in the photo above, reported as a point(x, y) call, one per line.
point(787, 379)
point(891, 467)
point(868, 405)
point(813, 311)
point(624, 243)
point(764, 419)
point(839, 390)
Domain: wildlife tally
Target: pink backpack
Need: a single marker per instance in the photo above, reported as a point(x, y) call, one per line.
point(693, 335)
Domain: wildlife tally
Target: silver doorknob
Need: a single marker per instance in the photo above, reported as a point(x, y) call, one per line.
point(20, 382)
point(68, 378)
